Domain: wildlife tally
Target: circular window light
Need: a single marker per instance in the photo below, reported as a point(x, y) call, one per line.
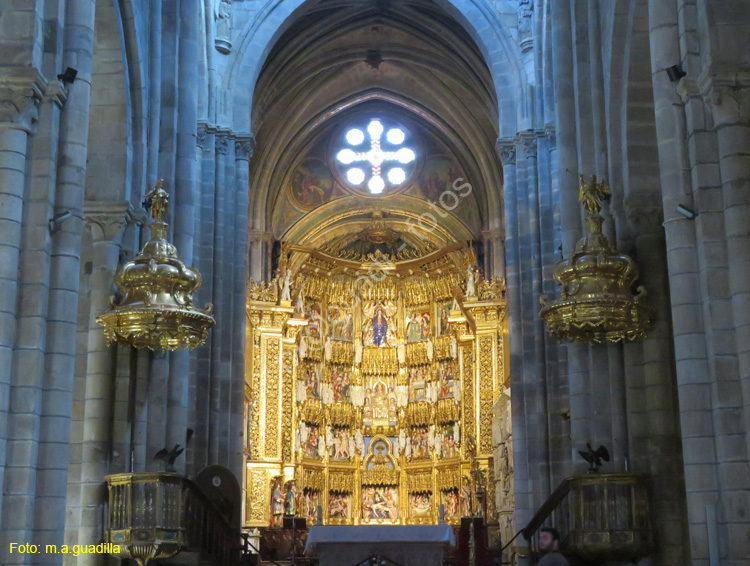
point(397, 175)
point(376, 185)
point(395, 136)
point(405, 155)
point(375, 129)
point(346, 156)
point(355, 176)
point(355, 136)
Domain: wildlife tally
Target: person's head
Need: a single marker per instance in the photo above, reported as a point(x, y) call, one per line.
point(549, 539)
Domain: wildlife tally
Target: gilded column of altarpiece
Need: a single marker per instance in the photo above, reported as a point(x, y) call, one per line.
point(370, 387)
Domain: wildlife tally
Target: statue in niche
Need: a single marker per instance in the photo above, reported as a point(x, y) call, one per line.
point(286, 289)
point(418, 327)
point(223, 18)
point(380, 327)
point(277, 504)
point(290, 500)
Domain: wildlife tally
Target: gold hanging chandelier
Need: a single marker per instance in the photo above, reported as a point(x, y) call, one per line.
point(153, 307)
point(596, 302)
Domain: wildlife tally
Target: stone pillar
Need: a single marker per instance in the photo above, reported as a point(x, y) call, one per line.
point(243, 150)
point(185, 190)
point(222, 303)
point(107, 222)
point(20, 94)
point(731, 112)
point(694, 371)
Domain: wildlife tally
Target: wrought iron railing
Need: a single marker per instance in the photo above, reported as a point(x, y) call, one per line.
point(157, 515)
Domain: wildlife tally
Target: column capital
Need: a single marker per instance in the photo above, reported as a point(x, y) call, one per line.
point(506, 150)
point(21, 90)
point(244, 144)
point(200, 134)
point(527, 140)
point(56, 93)
point(644, 213)
point(551, 134)
point(107, 220)
point(222, 141)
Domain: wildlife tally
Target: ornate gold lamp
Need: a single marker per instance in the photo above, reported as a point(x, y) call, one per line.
point(596, 302)
point(155, 307)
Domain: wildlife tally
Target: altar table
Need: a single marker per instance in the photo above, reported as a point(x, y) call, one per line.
point(405, 545)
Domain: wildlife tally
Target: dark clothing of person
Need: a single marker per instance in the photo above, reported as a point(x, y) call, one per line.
point(554, 559)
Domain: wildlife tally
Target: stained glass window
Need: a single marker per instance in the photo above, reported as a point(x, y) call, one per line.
point(374, 160)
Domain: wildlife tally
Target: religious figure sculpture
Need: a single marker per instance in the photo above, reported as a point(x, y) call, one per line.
point(379, 328)
point(525, 12)
point(430, 349)
point(299, 307)
point(223, 16)
point(290, 500)
point(277, 504)
point(358, 351)
point(454, 347)
point(359, 440)
point(286, 289)
point(302, 351)
point(328, 347)
point(301, 391)
point(357, 395)
point(402, 396)
point(457, 391)
point(470, 275)
point(326, 393)
point(321, 445)
point(401, 354)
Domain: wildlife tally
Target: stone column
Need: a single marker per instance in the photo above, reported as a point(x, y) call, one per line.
point(243, 150)
point(222, 304)
point(185, 190)
point(107, 222)
point(731, 113)
point(694, 371)
point(20, 94)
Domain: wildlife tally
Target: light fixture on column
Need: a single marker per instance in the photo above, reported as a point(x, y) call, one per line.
point(596, 302)
point(153, 307)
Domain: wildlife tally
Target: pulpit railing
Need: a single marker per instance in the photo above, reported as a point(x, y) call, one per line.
point(600, 516)
point(157, 515)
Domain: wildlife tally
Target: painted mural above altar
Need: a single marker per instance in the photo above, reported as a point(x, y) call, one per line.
point(317, 177)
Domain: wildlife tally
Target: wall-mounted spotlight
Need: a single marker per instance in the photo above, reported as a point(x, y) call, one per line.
point(686, 212)
point(68, 76)
point(675, 73)
point(59, 218)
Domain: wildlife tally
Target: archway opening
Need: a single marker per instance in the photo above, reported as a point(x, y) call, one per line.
point(376, 335)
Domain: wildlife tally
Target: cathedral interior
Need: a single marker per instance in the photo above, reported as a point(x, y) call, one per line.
point(273, 266)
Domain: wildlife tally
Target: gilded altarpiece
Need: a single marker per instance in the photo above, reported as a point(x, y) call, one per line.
point(370, 387)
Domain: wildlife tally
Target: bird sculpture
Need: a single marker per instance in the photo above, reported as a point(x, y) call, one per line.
point(594, 457)
point(168, 457)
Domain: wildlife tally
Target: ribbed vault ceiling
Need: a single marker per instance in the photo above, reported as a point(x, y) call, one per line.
point(409, 57)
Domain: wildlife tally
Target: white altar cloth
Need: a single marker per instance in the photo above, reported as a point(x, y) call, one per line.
point(407, 545)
